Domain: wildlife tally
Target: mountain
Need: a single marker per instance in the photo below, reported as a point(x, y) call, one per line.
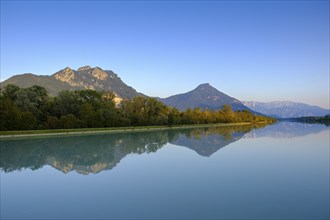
point(25, 80)
point(204, 96)
point(84, 77)
point(286, 109)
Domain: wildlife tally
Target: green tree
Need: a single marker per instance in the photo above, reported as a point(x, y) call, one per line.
point(91, 97)
point(9, 91)
point(65, 103)
point(70, 121)
point(174, 117)
point(53, 122)
point(10, 116)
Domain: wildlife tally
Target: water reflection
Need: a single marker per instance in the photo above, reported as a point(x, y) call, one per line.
point(205, 142)
point(287, 130)
point(94, 153)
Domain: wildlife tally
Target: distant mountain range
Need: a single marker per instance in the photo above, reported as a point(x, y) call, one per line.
point(84, 77)
point(286, 109)
point(204, 96)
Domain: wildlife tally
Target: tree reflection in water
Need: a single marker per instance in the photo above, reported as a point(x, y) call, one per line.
point(94, 153)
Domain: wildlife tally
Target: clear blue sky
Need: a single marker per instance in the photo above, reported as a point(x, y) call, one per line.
point(251, 50)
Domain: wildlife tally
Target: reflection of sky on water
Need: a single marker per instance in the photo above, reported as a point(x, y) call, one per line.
point(287, 130)
point(94, 153)
point(250, 178)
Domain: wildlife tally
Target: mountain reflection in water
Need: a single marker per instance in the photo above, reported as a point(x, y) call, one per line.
point(94, 153)
point(287, 130)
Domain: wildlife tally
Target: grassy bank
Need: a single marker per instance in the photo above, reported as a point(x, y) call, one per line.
point(60, 132)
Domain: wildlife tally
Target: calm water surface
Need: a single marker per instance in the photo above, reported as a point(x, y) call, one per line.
point(277, 172)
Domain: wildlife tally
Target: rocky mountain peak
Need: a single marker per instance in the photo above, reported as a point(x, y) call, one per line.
point(96, 72)
point(67, 69)
point(99, 73)
point(85, 77)
point(65, 75)
point(83, 68)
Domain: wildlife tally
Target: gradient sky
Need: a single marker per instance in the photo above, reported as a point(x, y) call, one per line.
point(251, 50)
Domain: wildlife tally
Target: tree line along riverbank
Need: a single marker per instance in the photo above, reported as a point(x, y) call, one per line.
point(4, 135)
point(33, 109)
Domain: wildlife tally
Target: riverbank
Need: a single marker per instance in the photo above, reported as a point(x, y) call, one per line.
point(81, 131)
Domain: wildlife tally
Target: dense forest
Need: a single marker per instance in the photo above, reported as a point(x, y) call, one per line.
point(32, 108)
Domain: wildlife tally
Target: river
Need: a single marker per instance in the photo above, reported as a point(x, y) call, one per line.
point(280, 171)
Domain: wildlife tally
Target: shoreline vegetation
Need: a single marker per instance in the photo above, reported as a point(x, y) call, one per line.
point(32, 111)
point(310, 120)
point(80, 131)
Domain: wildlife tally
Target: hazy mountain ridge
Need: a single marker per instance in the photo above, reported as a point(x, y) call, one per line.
point(286, 109)
point(204, 96)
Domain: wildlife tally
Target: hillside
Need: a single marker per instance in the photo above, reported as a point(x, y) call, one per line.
point(26, 80)
point(83, 78)
point(204, 96)
point(286, 109)
point(96, 79)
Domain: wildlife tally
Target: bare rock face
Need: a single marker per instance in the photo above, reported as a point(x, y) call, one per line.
point(99, 74)
point(85, 77)
point(65, 167)
point(66, 75)
point(83, 68)
point(117, 100)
